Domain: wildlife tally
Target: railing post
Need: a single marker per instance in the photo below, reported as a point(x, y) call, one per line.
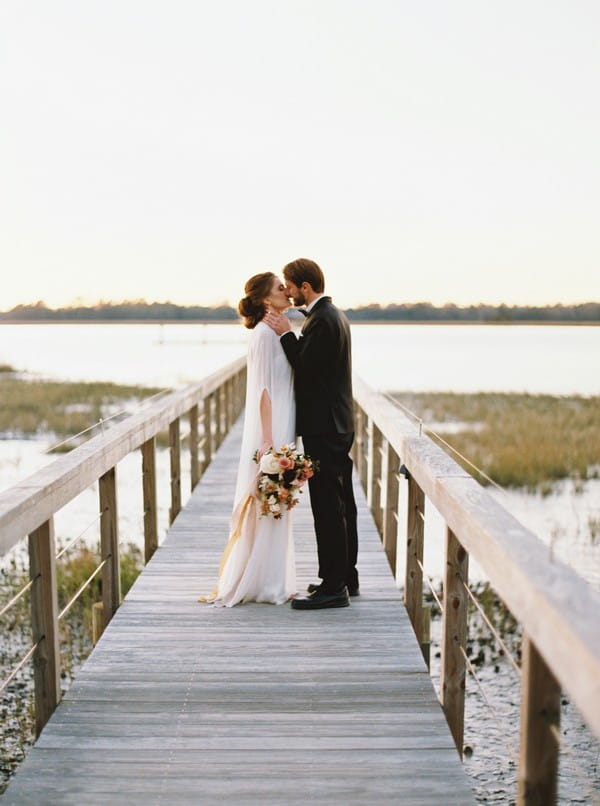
point(540, 718)
point(413, 581)
point(390, 521)
point(175, 453)
point(44, 623)
point(218, 416)
point(363, 449)
point(149, 491)
point(355, 450)
point(194, 464)
point(208, 435)
point(228, 404)
point(109, 545)
point(375, 465)
point(454, 638)
point(241, 384)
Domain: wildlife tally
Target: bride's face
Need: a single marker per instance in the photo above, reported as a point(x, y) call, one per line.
point(278, 299)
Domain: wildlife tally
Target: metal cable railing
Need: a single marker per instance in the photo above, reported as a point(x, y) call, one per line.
point(19, 666)
point(16, 597)
point(100, 423)
point(81, 589)
point(72, 542)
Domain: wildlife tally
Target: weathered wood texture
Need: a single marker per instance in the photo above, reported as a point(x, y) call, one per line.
point(540, 719)
point(390, 520)
point(550, 600)
point(454, 637)
point(413, 580)
point(109, 545)
point(148, 450)
point(44, 623)
point(184, 703)
point(33, 501)
point(175, 462)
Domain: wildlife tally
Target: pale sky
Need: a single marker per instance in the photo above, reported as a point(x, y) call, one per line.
point(441, 151)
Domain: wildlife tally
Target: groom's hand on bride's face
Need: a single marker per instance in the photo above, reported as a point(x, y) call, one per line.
point(277, 322)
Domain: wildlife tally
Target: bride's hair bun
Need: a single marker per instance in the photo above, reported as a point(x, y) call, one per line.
point(252, 306)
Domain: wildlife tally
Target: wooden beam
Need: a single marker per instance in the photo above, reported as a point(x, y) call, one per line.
point(44, 623)
point(149, 492)
point(540, 719)
point(207, 449)
point(390, 521)
point(454, 638)
point(175, 461)
point(109, 545)
point(218, 416)
point(413, 580)
point(375, 478)
point(194, 463)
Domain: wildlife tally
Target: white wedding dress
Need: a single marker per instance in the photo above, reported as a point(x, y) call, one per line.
point(258, 563)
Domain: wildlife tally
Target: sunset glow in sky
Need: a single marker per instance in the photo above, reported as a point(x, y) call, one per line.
point(441, 151)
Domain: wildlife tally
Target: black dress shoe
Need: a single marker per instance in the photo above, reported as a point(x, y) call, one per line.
point(352, 591)
point(318, 600)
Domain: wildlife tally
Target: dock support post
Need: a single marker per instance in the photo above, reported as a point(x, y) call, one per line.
point(175, 451)
point(194, 464)
point(207, 451)
point(149, 492)
point(454, 638)
point(109, 545)
point(44, 623)
point(540, 718)
point(390, 521)
point(413, 581)
point(375, 483)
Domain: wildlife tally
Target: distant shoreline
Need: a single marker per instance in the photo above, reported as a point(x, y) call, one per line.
point(436, 322)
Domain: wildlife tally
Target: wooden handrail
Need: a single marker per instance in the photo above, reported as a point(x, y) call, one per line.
point(556, 608)
point(24, 507)
point(28, 508)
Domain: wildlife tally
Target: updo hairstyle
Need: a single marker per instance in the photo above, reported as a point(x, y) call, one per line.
point(252, 306)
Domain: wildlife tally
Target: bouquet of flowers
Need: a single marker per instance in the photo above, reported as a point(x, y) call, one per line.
point(282, 474)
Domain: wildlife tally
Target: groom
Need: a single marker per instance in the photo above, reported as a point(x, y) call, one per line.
point(321, 359)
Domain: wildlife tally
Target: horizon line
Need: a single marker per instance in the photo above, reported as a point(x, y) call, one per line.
point(363, 306)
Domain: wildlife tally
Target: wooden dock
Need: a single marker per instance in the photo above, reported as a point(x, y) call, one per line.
point(183, 703)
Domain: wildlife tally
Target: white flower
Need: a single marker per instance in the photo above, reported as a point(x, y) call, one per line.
point(269, 464)
point(275, 508)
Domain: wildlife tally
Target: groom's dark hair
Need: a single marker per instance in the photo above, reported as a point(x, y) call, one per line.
point(303, 270)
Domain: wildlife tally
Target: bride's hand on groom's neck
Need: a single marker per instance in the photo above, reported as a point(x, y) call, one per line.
point(277, 322)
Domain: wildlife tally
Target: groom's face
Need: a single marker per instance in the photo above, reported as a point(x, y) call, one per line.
point(295, 293)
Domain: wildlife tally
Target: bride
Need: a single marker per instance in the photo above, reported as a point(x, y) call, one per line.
point(258, 562)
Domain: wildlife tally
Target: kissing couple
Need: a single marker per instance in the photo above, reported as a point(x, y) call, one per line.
point(295, 386)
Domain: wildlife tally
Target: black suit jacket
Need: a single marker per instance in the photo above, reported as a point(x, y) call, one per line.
point(321, 359)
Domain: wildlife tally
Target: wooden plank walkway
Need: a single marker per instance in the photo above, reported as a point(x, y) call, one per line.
point(183, 703)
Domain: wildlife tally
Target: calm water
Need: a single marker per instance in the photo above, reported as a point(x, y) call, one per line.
point(469, 358)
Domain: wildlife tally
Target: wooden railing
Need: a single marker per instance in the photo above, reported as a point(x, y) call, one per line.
point(28, 508)
point(558, 611)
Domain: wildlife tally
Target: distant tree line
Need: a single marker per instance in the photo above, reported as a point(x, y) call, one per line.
point(140, 310)
point(425, 311)
point(121, 311)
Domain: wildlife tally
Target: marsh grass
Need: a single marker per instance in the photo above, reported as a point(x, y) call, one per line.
point(36, 407)
point(519, 440)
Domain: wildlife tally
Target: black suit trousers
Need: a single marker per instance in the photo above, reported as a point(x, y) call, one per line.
point(334, 509)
